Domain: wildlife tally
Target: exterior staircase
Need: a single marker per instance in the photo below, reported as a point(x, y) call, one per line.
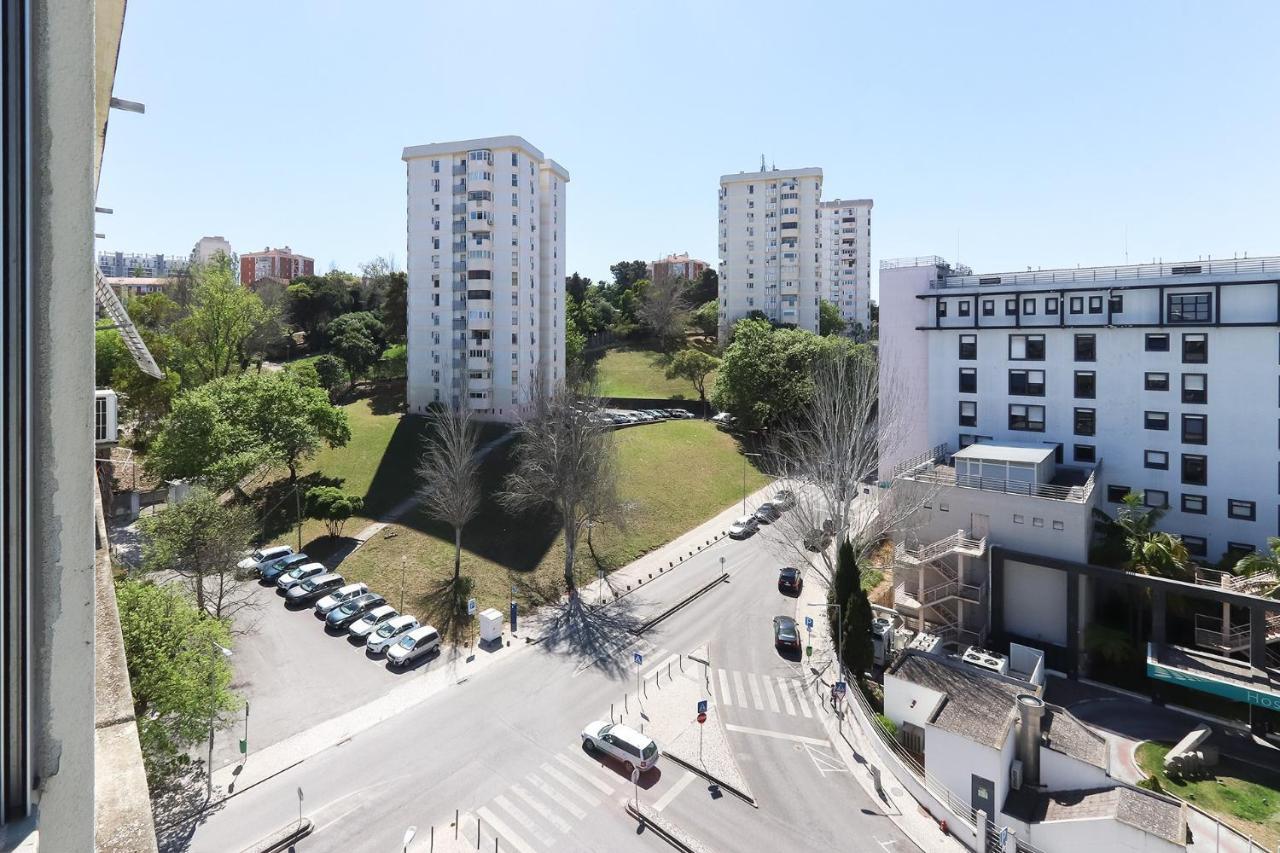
point(1209, 633)
point(1258, 584)
point(935, 606)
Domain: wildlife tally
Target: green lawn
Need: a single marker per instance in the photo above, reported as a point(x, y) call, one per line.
point(674, 475)
point(642, 373)
point(1241, 795)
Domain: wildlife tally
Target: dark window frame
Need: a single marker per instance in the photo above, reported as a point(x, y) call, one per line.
point(1201, 308)
point(1147, 384)
point(1028, 307)
point(1190, 396)
point(1090, 454)
point(971, 373)
point(1158, 466)
point(1197, 546)
point(1030, 424)
point(988, 308)
point(962, 307)
point(962, 418)
point(1147, 420)
point(1248, 509)
point(942, 307)
point(1011, 306)
point(1192, 438)
point(1091, 417)
point(1095, 304)
point(1146, 498)
point(1156, 338)
point(1116, 493)
point(1189, 503)
point(1028, 388)
point(1028, 340)
point(1115, 304)
point(1202, 357)
point(1091, 347)
point(973, 348)
point(1201, 479)
point(1076, 304)
point(1092, 390)
point(1051, 306)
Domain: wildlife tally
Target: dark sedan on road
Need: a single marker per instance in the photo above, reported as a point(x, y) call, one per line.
point(271, 572)
point(789, 580)
point(352, 609)
point(785, 634)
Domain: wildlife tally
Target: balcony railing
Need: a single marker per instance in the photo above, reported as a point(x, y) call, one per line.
point(918, 261)
point(1107, 274)
point(459, 169)
point(930, 467)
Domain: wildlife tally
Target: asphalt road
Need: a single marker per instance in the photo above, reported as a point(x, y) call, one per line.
point(503, 749)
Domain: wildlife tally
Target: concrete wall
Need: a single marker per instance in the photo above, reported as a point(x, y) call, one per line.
point(1013, 521)
point(1034, 602)
point(904, 364)
point(899, 695)
point(1060, 772)
point(1072, 836)
point(954, 761)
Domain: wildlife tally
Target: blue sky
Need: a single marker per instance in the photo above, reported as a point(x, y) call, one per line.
point(1024, 133)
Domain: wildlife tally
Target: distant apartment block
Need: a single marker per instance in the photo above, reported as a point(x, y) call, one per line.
point(677, 267)
point(277, 264)
point(206, 247)
point(136, 265)
point(126, 286)
point(846, 252)
point(486, 272)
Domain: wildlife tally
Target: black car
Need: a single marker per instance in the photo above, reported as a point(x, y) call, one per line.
point(789, 580)
point(785, 634)
point(352, 609)
point(272, 572)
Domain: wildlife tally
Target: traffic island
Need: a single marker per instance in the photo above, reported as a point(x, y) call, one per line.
point(665, 829)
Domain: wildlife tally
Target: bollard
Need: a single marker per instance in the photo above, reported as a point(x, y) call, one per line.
point(668, 670)
point(670, 564)
point(455, 824)
point(479, 820)
point(626, 702)
point(495, 844)
point(650, 575)
point(682, 663)
point(611, 712)
point(433, 838)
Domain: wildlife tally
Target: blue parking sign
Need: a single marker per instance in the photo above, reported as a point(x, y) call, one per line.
point(808, 623)
point(702, 706)
point(638, 658)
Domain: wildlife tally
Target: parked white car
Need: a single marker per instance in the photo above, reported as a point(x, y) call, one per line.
point(623, 743)
point(259, 558)
point(366, 624)
point(744, 527)
point(339, 595)
point(413, 645)
point(389, 633)
point(295, 576)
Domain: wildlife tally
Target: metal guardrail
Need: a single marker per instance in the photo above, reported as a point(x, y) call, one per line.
point(918, 261)
point(1234, 582)
point(946, 476)
point(1107, 274)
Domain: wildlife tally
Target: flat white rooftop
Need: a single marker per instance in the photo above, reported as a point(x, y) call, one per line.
point(1007, 451)
point(772, 174)
point(1179, 271)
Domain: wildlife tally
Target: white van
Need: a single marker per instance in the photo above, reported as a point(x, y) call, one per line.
point(255, 561)
point(413, 645)
point(634, 750)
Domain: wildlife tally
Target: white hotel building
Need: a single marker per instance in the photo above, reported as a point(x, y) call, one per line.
point(846, 254)
point(486, 225)
point(1157, 378)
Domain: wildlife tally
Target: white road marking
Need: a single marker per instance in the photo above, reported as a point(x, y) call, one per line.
point(644, 676)
point(779, 735)
point(559, 798)
point(541, 808)
point(726, 695)
point(801, 701)
point(523, 819)
point(571, 786)
point(787, 704)
point(504, 831)
point(767, 684)
point(740, 692)
point(824, 761)
point(673, 791)
point(754, 684)
point(601, 786)
point(884, 845)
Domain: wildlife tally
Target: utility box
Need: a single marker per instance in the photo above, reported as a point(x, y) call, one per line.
point(490, 625)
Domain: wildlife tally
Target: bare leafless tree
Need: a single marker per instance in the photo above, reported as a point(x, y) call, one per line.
point(828, 453)
point(449, 469)
point(566, 461)
point(664, 308)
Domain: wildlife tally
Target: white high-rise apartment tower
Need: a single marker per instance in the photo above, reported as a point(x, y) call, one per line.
point(846, 255)
point(486, 231)
point(770, 235)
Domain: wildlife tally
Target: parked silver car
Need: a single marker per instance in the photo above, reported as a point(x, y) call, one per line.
point(312, 588)
point(333, 599)
point(363, 628)
point(743, 527)
point(389, 633)
point(351, 610)
point(633, 750)
point(256, 560)
point(298, 574)
point(420, 641)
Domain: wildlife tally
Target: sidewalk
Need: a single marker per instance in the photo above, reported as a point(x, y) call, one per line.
point(851, 743)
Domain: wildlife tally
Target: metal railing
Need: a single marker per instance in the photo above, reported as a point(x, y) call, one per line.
point(459, 169)
point(945, 475)
point(928, 457)
point(957, 541)
point(1209, 633)
point(1236, 583)
point(918, 261)
point(1106, 274)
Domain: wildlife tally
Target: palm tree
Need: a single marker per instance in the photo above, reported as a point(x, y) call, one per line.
point(1147, 551)
point(1263, 567)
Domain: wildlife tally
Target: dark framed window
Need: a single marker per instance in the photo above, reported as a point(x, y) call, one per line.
point(988, 308)
point(1086, 384)
point(1195, 348)
point(1158, 459)
point(1026, 418)
point(1155, 420)
point(1157, 342)
point(1029, 306)
point(1155, 498)
point(1195, 388)
point(968, 380)
point(968, 413)
point(1242, 510)
point(968, 347)
point(963, 306)
point(1189, 308)
point(1194, 504)
point(1195, 469)
point(1156, 382)
point(1077, 304)
point(1195, 429)
point(942, 307)
point(1026, 347)
point(1197, 546)
point(1115, 494)
point(1026, 383)
point(1010, 307)
point(1084, 453)
point(1116, 303)
point(1240, 549)
point(966, 439)
point(1095, 304)
point(1085, 422)
point(1051, 305)
point(1086, 348)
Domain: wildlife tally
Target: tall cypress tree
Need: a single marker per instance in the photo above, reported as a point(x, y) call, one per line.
point(855, 611)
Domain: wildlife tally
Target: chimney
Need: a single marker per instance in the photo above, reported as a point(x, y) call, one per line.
point(1030, 710)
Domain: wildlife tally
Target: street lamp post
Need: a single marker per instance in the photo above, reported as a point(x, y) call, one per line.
point(214, 648)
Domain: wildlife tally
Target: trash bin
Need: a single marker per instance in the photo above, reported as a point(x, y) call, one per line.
point(490, 625)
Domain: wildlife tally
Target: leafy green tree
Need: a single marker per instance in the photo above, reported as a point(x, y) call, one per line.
point(224, 317)
point(145, 400)
point(706, 318)
point(695, 366)
point(1263, 567)
point(627, 273)
point(395, 307)
point(855, 613)
point(765, 372)
point(172, 662)
point(1144, 549)
point(315, 300)
point(358, 339)
point(575, 344)
point(109, 353)
point(829, 320)
point(576, 286)
point(332, 374)
point(663, 309)
point(705, 289)
point(222, 431)
point(332, 506)
point(272, 338)
point(155, 311)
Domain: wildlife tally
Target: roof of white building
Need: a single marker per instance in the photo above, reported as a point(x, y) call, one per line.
point(1007, 451)
point(773, 174)
point(1141, 809)
point(1061, 732)
point(977, 705)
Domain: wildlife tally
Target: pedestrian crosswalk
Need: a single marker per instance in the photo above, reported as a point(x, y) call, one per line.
point(787, 695)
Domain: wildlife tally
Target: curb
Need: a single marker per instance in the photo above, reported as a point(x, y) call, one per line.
point(282, 839)
point(639, 630)
point(693, 768)
point(659, 830)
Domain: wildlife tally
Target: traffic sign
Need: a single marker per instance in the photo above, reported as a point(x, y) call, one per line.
point(702, 706)
point(808, 623)
point(702, 718)
point(471, 607)
point(635, 775)
point(638, 658)
point(838, 689)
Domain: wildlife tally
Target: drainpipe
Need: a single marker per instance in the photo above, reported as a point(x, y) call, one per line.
point(1030, 710)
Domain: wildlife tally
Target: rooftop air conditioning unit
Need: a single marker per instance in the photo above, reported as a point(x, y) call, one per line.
point(106, 427)
point(984, 659)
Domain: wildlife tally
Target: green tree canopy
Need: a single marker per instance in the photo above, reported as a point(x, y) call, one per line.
point(225, 316)
point(830, 322)
point(144, 399)
point(358, 339)
point(109, 353)
point(315, 300)
point(706, 318)
point(628, 273)
point(705, 289)
point(765, 372)
point(395, 307)
point(695, 366)
point(855, 612)
point(331, 373)
point(332, 506)
point(155, 311)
